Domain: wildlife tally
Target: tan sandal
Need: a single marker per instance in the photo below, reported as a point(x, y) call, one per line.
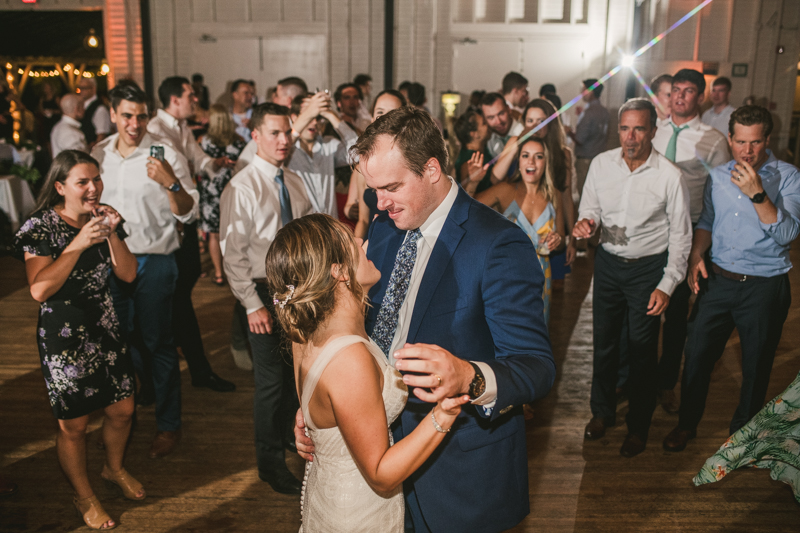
point(93, 513)
point(121, 478)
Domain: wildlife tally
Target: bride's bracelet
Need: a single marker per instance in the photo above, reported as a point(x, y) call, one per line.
point(436, 425)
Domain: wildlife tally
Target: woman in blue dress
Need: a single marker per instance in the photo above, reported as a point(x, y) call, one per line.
point(532, 202)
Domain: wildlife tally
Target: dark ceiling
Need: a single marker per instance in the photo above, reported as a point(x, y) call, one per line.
point(50, 34)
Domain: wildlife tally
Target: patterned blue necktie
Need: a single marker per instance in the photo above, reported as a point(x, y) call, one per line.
point(286, 202)
point(386, 324)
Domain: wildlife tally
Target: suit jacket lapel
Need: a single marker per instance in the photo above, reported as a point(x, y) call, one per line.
point(442, 254)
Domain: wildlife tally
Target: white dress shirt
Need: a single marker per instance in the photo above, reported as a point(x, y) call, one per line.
point(101, 119)
point(250, 216)
point(243, 131)
point(180, 136)
point(318, 170)
point(246, 157)
point(700, 148)
point(496, 143)
point(67, 135)
point(143, 203)
point(642, 213)
point(430, 230)
point(719, 121)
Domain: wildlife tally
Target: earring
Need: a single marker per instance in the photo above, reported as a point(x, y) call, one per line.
point(347, 283)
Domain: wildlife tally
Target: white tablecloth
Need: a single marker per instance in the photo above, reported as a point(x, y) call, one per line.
point(16, 199)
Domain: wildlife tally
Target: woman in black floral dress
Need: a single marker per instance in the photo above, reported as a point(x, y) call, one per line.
point(220, 141)
point(70, 244)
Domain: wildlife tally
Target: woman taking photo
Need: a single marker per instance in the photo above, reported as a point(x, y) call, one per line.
point(348, 392)
point(532, 202)
point(69, 244)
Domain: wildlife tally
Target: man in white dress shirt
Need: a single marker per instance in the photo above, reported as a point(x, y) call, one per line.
point(639, 201)
point(315, 158)
point(179, 101)
point(96, 122)
point(242, 93)
point(719, 114)
point(501, 123)
point(151, 195)
point(257, 202)
point(67, 134)
point(515, 92)
point(695, 148)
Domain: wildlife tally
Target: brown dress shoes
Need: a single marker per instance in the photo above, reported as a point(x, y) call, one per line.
point(633, 445)
point(677, 439)
point(164, 443)
point(595, 429)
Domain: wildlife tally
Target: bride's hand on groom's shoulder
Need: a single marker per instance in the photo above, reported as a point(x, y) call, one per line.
point(433, 368)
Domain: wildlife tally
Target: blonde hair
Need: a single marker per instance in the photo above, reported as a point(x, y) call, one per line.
point(301, 256)
point(546, 185)
point(221, 127)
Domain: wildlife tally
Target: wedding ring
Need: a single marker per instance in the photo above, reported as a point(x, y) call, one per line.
point(437, 376)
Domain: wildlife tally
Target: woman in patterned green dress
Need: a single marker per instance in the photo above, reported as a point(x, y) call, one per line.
point(770, 440)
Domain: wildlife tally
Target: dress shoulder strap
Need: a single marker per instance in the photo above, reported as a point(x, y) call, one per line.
point(326, 355)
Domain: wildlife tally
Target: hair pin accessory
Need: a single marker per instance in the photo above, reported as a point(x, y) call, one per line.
point(283, 303)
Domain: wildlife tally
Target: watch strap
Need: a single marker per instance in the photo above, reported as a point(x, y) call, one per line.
point(478, 385)
point(759, 197)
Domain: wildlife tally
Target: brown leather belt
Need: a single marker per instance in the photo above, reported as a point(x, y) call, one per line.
point(732, 275)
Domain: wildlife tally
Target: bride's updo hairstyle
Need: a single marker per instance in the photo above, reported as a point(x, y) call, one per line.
point(301, 256)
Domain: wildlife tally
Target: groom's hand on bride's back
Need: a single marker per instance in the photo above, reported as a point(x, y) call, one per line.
point(305, 447)
point(429, 363)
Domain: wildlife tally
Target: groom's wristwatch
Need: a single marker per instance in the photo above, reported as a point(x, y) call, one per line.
point(478, 385)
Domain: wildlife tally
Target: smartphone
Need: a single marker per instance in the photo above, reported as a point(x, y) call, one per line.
point(157, 151)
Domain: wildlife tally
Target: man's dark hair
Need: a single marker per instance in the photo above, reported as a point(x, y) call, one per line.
point(639, 104)
point(172, 86)
point(750, 115)
point(337, 95)
point(294, 80)
point(490, 99)
point(362, 79)
point(591, 81)
point(553, 98)
point(197, 78)
point(658, 81)
point(413, 132)
point(416, 94)
point(236, 83)
point(127, 91)
point(692, 76)
point(297, 104)
point(404, 85)
point(514, 80)
point(267, 108)
point(465, 125)
point(722, 80)
point(547, 88)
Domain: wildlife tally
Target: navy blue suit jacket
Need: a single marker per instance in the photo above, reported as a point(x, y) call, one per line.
point(480, 299)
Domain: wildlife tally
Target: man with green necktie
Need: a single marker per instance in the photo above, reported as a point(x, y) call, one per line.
point(695, 148)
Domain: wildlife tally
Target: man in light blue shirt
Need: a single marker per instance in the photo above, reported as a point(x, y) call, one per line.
point(751, 214)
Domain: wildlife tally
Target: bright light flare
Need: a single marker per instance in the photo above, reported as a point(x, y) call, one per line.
point(627, 61)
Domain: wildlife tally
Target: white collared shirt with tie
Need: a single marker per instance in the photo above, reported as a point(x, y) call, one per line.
point(250, 217)
point(430, 230)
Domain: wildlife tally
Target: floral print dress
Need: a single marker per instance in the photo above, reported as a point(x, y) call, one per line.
point(770, 440)
point(211, 186)
point(85, 363)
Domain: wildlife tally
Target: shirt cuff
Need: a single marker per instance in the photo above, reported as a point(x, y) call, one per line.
point(667, 286)
point(489, 396)
point(769, 228)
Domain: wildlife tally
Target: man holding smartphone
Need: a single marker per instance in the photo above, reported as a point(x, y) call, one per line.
point(150, 195)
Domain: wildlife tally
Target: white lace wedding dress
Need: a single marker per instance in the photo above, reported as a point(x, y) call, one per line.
point(335, 496)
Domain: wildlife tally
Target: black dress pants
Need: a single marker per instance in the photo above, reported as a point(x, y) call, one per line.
point(275, 397)
point(622, 289)
point(757, 308)
point(676, 319)
point(186, 330)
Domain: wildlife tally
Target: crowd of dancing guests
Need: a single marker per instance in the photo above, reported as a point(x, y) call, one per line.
point(344, 230)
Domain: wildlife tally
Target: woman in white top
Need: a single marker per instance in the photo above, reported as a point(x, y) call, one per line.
point(348, 392)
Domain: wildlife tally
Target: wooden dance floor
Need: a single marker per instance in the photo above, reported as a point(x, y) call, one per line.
point(210, 483)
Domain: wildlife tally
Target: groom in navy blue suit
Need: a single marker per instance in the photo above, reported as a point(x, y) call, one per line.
point(464, 317)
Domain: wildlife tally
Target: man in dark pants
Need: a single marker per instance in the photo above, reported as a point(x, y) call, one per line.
point(641, 202)
point(751, 214)
point(258, 201)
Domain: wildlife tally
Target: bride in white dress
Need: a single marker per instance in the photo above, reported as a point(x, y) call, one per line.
point(348, 392)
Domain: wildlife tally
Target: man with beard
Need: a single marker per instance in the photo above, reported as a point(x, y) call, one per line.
point(638, 199)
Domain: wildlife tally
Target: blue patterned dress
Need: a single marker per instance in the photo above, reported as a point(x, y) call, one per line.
point(85, 363)
point(538, 231)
